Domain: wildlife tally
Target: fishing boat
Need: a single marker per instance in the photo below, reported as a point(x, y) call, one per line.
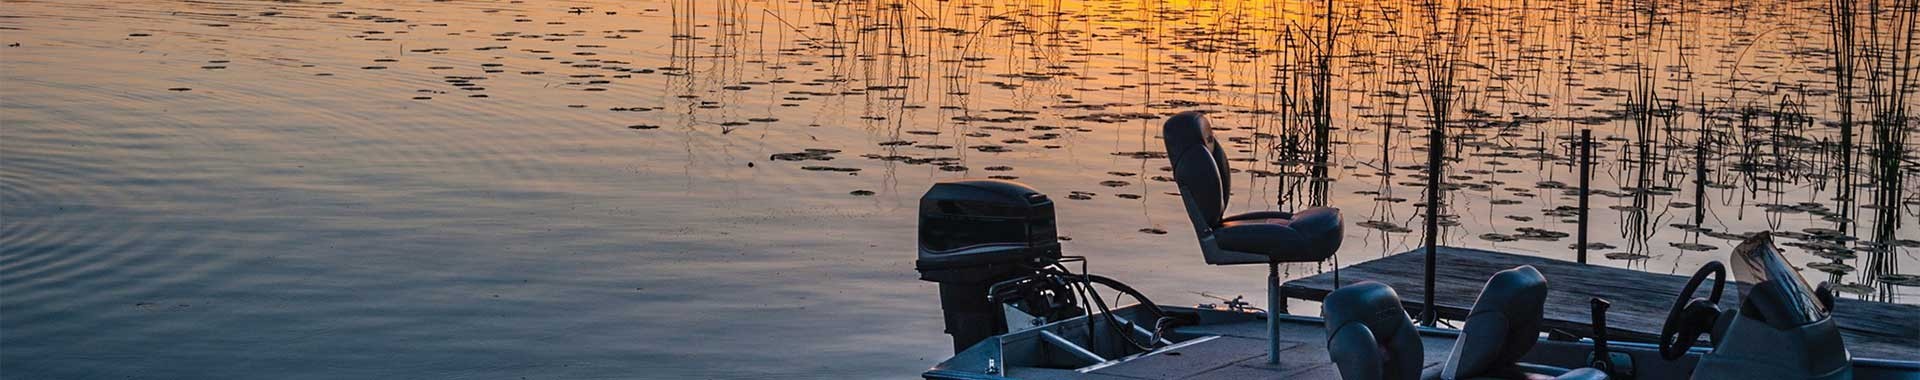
point(1016, 309)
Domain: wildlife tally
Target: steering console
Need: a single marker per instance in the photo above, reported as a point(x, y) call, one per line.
point(1692, 316)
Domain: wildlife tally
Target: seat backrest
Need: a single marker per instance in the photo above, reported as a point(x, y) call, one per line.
point(1369, 336)
point(1199, 168)
point(1503, 326)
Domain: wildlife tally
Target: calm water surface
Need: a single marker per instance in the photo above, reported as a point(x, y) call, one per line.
point(726, 189)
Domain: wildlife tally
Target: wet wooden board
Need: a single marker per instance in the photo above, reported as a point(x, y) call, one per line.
point(1640, 299)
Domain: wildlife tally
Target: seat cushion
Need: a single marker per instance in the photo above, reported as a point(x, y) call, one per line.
point(1311, 235)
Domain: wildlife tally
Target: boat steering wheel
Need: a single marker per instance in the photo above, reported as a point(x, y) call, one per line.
point(1692, 316)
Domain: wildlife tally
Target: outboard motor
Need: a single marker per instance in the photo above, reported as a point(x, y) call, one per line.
point(1783, 329)
point(978, 233)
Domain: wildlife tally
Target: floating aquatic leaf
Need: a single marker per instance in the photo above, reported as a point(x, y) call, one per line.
point(1626, 256)
point(1530, 233)
point(1900, 279)
point(830, 169)
point(1831, 267)
point(1853, 288)
point(1384, 226)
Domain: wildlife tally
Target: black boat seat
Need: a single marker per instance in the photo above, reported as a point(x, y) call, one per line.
point(1503, 325)
point(1369, 336)
point(1265, 237)
point(1200, 170)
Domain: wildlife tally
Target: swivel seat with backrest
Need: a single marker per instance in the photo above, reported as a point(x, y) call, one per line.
point(1270, 237)
point(1369, 336)
point(1503, 325)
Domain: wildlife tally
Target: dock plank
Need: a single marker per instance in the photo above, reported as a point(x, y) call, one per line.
point(1640, 299)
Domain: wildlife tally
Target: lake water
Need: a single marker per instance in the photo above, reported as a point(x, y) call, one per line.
point(727, 189)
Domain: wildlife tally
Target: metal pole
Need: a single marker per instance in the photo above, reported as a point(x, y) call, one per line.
point(1586, 163)
point(1436, 145)
point(1069, 347)
point(1273, 312)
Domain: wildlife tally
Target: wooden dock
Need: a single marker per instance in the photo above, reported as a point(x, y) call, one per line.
point(1640, 299)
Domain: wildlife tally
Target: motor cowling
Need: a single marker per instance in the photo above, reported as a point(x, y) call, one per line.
point(975, 233)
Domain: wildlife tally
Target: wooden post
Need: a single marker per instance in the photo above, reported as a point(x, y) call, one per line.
point(1436, 145)
point(1586, 163)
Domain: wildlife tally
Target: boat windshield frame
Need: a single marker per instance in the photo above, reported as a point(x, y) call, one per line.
point(1771, 287)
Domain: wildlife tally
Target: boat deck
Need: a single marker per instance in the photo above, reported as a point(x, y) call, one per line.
point(1640, 299)
point(1240, 352)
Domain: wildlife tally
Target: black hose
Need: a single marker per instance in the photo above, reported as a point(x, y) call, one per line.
point(1160, 316)
point(1128, 290)
point(1114, 323)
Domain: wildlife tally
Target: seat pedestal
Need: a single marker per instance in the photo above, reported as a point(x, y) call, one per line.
point(1274, 308)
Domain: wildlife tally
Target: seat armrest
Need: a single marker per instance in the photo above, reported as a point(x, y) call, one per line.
point(1259, 215)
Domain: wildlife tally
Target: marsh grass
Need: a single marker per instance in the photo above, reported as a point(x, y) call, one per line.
point(1709, 116)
